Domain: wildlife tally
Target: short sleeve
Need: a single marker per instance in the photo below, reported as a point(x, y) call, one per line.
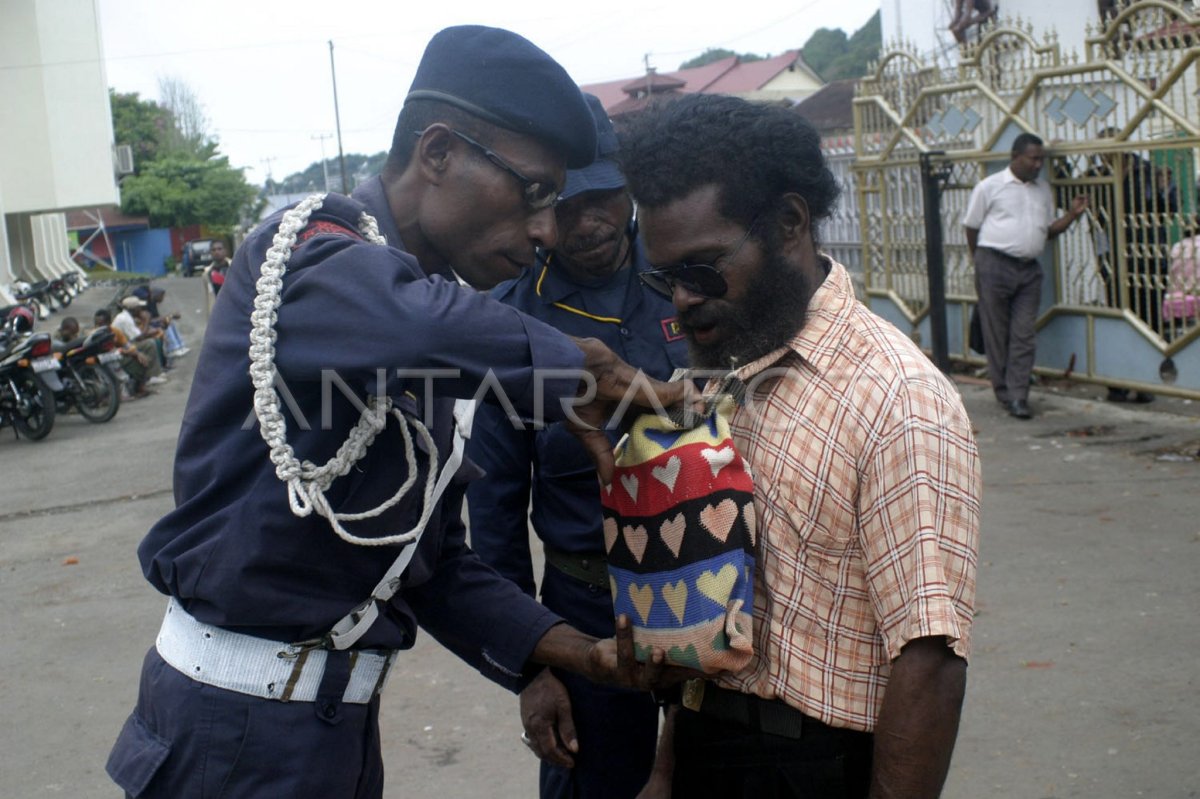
point(976, 207)
point(919, 512)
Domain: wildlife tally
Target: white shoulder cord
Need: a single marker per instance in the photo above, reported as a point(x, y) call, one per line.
point(306, 482)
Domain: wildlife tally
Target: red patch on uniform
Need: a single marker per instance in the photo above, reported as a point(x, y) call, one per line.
point(671, 329)
point(320, 227)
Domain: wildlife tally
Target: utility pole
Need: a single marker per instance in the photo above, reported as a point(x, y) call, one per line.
point(324, 163)
point(338, 121)
point(270, 178)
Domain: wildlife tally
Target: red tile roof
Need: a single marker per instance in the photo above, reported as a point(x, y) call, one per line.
point(726, 76)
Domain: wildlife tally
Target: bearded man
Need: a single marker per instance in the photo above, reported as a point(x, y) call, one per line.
point(866, 473)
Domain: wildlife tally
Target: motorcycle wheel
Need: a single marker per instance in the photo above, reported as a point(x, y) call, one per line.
point(97, 394)
point(38, 421)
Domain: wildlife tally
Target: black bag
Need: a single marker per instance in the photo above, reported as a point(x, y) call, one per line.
point(975, 337)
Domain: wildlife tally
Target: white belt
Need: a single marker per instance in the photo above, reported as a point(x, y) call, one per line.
point(259, 667)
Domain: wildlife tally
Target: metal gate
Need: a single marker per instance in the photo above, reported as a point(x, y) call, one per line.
point(1121, 121)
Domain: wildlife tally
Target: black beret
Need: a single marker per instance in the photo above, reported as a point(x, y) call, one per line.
point(508, 81)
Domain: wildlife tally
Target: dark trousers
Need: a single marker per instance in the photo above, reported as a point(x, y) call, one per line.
point(1010, 292)
point(617, 729)
point(733, 761)
point(187, 740)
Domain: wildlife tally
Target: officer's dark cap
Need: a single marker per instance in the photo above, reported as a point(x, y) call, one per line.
point(508, 81)
point(603, 173)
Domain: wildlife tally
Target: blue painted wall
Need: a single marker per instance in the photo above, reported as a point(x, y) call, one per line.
point(142, 250)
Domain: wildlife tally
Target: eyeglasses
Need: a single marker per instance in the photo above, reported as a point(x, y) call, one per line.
point(538, 193)
point(704, 280)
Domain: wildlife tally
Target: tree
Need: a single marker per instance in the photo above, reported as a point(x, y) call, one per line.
point(312, 178)
point(189, 131)
point(180, 178)
point(175, 191)
point(835, 56)
point(716, 54)
point(141, 124)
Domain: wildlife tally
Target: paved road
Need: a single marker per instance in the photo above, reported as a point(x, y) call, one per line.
point(1083, 681)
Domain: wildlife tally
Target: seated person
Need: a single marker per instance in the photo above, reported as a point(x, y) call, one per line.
point(173, 346)
point(127, 324)
point(145, 323)
point(139, 359)
point(68, 334)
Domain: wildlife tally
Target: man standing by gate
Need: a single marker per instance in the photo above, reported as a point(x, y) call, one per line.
point(1009, 218)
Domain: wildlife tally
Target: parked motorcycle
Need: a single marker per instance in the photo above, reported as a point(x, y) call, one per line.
point(86, 381)
point(26, 402)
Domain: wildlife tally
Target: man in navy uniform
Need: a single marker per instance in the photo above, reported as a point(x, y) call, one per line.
point(594, 740)
point(264, 678)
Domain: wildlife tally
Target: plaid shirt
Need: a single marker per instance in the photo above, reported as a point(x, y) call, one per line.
point(867, 489)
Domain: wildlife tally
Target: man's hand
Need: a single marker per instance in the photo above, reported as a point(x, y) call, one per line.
point(614, 660)
point(615, 383)
point(1079, 204)
point(611, 660)
point(546, 717)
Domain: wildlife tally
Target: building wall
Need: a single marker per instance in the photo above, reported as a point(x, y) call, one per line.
point(924, 22)
point(56, 127)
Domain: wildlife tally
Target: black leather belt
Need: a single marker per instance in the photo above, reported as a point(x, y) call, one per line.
point(770, 716)
point(589, 567)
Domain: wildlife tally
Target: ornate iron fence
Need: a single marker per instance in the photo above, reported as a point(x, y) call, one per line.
point(1122, 126)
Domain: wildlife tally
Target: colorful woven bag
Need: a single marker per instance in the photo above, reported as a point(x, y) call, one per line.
point(679, 530)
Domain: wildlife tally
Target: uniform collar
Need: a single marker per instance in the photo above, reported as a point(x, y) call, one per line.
point(825, 326)
point(553, 288)
point(372, 195)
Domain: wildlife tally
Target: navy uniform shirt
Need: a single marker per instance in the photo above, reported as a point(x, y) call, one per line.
point(232, 551)
point(551, 465)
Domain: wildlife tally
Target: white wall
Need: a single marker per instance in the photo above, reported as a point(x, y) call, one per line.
point(923, 22)
point(55, 124)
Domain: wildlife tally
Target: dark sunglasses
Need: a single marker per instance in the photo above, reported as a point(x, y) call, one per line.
point(704, 280)
point(538, 193)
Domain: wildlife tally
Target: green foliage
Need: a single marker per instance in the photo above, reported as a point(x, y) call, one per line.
point(177, 190)
point(142, 124)
point(312, 178)
point(179, 177)
point(834, 56)
point(716, 54)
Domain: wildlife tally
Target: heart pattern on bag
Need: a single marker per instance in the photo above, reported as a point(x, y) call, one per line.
point(718, 519)
point(751, 524)
point(718, 585)
point(636, 539)
point(671, 532)
point(668, 473)
point(610, 534)
point(643, 599)
point(630, 482)
point(676, 598)
point(718, 459)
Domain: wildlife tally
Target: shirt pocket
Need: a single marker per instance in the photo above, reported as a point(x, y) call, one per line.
point(136, 756)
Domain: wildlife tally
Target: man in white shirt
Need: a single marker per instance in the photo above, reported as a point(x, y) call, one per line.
point(128, 326)
point(1009, 218)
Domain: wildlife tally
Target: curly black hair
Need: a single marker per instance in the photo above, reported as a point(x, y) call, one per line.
point(754, 152)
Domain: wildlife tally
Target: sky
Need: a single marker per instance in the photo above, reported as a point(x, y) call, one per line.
point(261, 68)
